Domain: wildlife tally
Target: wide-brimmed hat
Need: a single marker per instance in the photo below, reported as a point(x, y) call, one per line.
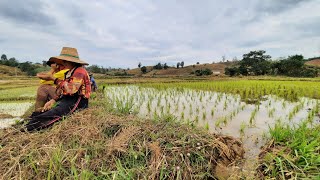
point(68, 54)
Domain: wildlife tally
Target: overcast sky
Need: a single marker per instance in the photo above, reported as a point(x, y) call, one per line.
point(122, 33)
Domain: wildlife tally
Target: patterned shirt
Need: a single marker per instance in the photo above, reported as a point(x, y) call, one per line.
point(76, 81)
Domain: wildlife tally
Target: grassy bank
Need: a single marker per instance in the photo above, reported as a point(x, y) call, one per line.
point(293, 153)
point(98, 144)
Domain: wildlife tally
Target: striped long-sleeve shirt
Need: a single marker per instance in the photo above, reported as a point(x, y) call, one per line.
point(76, 81)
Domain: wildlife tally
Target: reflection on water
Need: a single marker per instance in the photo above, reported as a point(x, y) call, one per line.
point(10, 113)
point(217, 112)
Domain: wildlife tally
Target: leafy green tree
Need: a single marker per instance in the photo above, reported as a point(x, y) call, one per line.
point(231, 71)
point(12, 62)
point(158, 66)
point(139, 65)
point(165, 66)
point(255, 63)
point(206, 72)
point(44, 63)
point(28, 67)
point(223, 58)
point(292, 66)
point(4, 57)
point(144, 69)
point(182, 64)
point(201, 72)
point(178, 65)
point(94, 68)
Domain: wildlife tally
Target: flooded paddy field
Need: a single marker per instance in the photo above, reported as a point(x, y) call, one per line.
point(252, 111)
point(16, 97)
point(222, 113)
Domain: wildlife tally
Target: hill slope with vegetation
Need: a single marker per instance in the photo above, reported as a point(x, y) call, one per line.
point(216, 69)
point(10, 71)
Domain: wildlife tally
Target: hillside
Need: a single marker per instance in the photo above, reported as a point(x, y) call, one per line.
point(217, 69)
point(314, 62)
point(10, 71)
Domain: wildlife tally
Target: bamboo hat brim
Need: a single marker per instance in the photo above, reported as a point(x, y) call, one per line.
point(68, 54)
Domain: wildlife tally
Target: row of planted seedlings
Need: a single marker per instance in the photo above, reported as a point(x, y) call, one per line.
point(215, 111)
point(252, 89)
point(292, 151)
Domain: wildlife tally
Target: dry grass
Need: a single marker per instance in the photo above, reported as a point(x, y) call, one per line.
point(314, 62)
point(10, 71)
point(96, 144)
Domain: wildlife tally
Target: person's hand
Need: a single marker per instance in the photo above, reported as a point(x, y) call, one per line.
point(45, 76)
point(48, 105)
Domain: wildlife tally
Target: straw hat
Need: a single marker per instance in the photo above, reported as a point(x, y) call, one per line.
point(68, 54)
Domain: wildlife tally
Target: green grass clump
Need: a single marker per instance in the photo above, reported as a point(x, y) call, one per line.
point(294, 153)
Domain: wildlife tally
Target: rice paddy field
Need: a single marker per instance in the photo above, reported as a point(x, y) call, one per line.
point(276, 121)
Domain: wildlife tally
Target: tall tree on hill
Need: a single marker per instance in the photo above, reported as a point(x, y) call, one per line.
point(255, 63)
point(158, 66)
point(165, 66)
point(182, 64)
point(223, 58)
point(178, 65)
point(143, 69)
point(44, 63)
point(4, 57)
point(12, 62)
point(139, 65)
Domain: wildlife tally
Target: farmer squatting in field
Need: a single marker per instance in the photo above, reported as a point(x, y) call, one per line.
point(47, 89)
point(75, 91)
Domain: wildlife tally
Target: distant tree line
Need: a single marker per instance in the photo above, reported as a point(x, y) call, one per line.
point(202, 72)
point(28, 67)
point(32, 69)
point(159, 66)
point(258, 63)
point(108, 71)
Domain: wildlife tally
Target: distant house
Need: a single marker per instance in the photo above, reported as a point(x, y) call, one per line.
point(216, 73)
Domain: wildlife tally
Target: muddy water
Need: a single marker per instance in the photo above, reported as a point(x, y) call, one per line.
point(217, 112)
point(11, 112)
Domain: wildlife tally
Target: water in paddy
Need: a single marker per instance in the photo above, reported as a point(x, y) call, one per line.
point(10, 112)
point(217, 112)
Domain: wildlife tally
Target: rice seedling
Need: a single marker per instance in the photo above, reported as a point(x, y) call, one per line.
point(271, 112)
point(182, 115)
point(196, 119)
point(212, 112)
point(225, 105)
point(253, 116)
point(204, 115)
point(243, 125)
point(206, 126)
